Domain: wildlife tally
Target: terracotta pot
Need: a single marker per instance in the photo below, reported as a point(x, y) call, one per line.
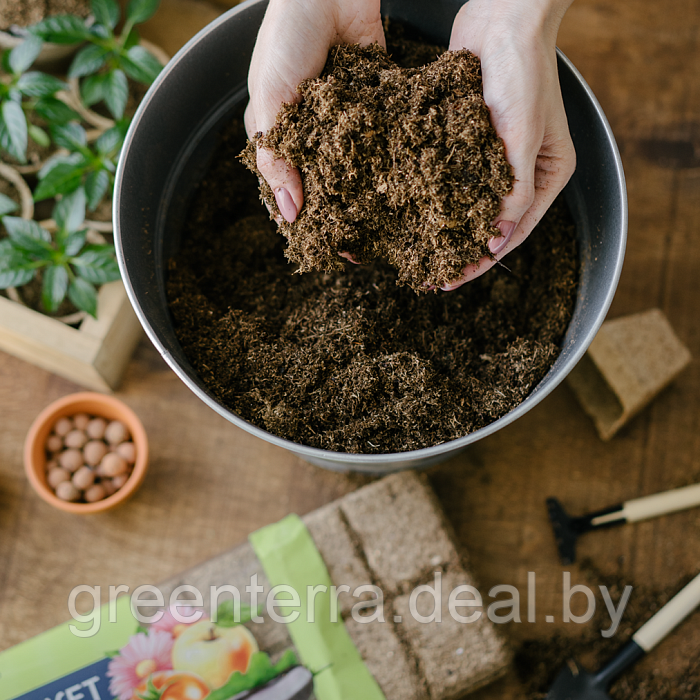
point(96, 405)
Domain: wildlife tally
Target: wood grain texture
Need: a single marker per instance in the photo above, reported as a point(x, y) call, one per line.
point(210, 484)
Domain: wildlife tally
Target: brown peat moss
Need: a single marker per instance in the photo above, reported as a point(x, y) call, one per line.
point(348, 361)
point(398, 163)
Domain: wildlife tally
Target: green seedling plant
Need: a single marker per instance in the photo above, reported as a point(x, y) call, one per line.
point(104, 64)
point(22, 92)
point(69, 265)
point(85, 166)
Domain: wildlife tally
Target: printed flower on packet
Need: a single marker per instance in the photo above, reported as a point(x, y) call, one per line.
point(143, 655)
point(174, 627)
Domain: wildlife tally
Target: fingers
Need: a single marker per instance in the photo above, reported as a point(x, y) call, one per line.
point(285, 182)
point(292, 45)
point(553, 169)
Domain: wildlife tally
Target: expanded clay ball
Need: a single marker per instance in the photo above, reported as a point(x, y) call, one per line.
point(71, 459)
point(119, 481)
point(112, 465)
point(127, 450)
point(88, 457)
point(83, 478)
point(116, 432)
point(96, 428)
point(94, 493)
point(63, 426)
point(54, 443)
point(94, 451)
point(76, 438)
point(57, 476)
point(67, 492)
point(81, 420)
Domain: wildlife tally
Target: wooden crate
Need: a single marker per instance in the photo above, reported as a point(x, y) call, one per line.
point(95, 354)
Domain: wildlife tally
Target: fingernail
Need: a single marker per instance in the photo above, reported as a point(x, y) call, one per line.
point(286, 205)
point(496, 245)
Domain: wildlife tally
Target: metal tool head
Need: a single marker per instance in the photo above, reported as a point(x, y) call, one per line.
point(575, 683)
point(565, 530)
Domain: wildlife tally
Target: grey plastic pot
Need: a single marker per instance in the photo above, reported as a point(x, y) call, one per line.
point(174, 134)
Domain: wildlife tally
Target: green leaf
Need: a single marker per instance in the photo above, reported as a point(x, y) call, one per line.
point(16, 268)
point(37, 84)
point(5, 61)
point(92, 89)
point(231, 613)
point(54, 287)
point(88, 61)
point(61, 29)
point(110, 142)
point(106, 12)
point(97, 266)
point(116, 92)
point(101, 33)
point(74, 242)
point(140, 65)
point(24, 54)
point(15, 278)
point(71, 136)
point(55, 111)
point(140, 10)
point(96, 184)
point(76, 159)
point(63, 178)
point(83, 295)
point(131, 40)
point(38, 135)
point(7, 204)
point(69, 212)
point(16, 127)
point(27, 236)
point(260, 671)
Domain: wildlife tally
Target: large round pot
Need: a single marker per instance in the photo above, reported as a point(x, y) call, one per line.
point(174, 133)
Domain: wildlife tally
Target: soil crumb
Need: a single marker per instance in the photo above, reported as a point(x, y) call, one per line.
point(398, 163)
point(349, 361)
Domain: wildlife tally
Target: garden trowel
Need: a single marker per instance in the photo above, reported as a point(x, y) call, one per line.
point(575, 683)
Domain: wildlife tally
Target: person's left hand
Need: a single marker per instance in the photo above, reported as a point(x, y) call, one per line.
point(515, 41)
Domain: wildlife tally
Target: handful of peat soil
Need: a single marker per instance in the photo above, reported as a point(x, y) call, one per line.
point(397, 163)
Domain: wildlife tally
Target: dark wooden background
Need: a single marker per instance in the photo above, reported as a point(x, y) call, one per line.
point(210, 484)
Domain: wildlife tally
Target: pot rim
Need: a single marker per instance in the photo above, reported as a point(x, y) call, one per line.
point(372, 462)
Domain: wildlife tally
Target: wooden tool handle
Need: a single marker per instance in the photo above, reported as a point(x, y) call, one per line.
point(661, 503)
point(672, 614)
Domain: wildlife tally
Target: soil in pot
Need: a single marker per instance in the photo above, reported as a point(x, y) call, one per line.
point(349, 361)
point(26, 12)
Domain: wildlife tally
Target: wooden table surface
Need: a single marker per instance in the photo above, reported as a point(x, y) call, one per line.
point(211, 484)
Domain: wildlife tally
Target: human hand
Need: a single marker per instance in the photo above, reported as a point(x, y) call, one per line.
point(515, 41)
point(293, 45)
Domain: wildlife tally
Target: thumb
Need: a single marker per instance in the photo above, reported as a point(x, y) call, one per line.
point(283, 179)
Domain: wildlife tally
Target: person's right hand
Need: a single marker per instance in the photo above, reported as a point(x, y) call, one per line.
point(293, 45)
